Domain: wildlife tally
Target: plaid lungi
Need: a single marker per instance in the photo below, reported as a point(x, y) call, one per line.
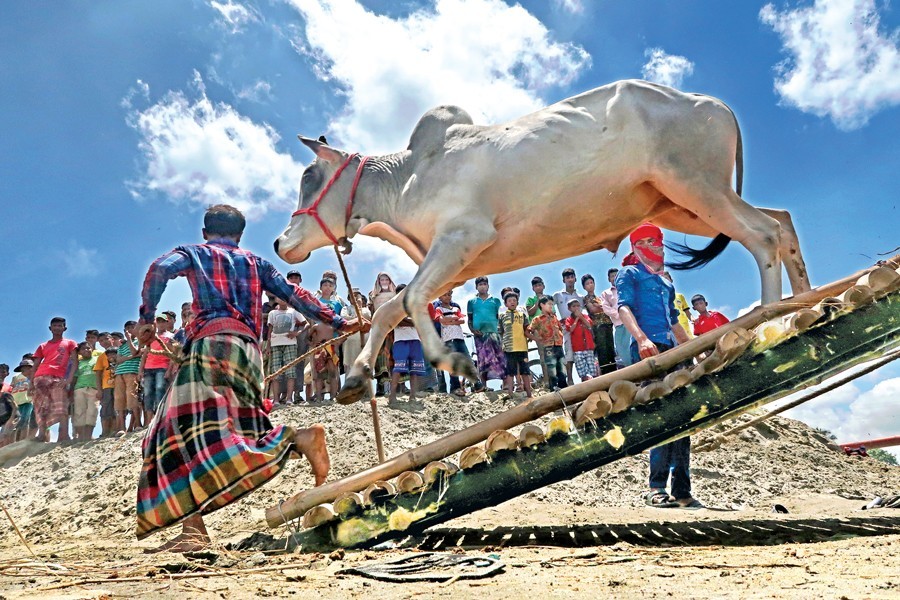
point(51, 400)
point(491, 359)
point(210, 441)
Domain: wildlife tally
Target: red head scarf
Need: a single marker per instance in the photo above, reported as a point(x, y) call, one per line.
point(645, 255)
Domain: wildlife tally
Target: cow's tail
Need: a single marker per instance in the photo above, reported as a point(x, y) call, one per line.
point(697, 258)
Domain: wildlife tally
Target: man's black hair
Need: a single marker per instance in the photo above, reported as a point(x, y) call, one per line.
point(223, 219)
point(4, 366)
point(585, 277)
point(82, 345)
point(129, 324)
point(103, 334)
point(510, 294)
point(92, 332)
point(536, 280)
point(57, 320)
point(544, 300)
point(481, 279)
point(568, 271)
point(611, 271)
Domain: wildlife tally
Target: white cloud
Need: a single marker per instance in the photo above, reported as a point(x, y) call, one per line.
point(258, 91)
point(140, 90)
point(666, 69)
point(80, 261)
point(576, 7)
point(490, 58)
point(838, 63)
point(205, 153)
point(233, 16)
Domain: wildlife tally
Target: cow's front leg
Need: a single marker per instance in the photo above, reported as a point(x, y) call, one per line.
point(356, 383)
point(451, 251)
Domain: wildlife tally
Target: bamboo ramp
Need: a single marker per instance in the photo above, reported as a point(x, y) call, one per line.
point(788, 346)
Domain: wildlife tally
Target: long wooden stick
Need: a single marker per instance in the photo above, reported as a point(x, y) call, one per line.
point(376, 422)
point(542, 405)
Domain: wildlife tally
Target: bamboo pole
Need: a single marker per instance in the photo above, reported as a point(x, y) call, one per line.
point(542, 405)
point(756, 377)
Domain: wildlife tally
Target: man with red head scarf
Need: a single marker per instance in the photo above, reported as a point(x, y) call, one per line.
point(647, 309)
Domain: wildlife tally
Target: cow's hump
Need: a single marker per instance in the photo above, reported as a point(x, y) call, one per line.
point(431, 129)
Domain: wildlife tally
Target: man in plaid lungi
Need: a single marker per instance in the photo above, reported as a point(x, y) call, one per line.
point(211, 441)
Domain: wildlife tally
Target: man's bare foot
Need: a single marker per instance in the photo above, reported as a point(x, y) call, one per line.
point(193, 538)
point(311, 443)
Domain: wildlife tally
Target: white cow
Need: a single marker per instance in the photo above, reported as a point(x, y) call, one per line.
point(465, 200)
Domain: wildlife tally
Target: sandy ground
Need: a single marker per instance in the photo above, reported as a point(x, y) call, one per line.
point(75, 508)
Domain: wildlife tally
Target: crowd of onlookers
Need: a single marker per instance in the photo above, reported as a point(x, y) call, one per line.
point(109, 377)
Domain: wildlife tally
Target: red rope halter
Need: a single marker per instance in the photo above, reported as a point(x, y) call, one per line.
point(313, 210)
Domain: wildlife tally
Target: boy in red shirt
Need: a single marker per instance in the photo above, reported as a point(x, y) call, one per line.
point(707, 320)
point(579, 327)
point(55, 365)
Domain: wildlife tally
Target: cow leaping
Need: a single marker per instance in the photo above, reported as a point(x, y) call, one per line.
point(465, 200)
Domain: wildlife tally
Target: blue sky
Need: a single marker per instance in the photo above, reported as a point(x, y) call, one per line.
point(122, 121)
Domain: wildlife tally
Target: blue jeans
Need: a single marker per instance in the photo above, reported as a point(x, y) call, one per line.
point(554, 358)
point(674, 458)
point(622, 342)
point(154, 388)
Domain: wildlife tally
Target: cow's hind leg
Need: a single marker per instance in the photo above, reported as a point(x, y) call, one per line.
point(726, 212)
point(356, 384)
point(450, 252)
point(790, 251)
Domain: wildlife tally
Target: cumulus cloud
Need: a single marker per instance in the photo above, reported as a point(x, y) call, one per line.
point(854, 415)
point(80, 261)
point(666, 69)
point(490, 58)
point(233, 16)
point(205, 153)
point(839, 64)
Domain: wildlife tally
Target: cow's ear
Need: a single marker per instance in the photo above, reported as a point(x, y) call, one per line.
point(322, 150)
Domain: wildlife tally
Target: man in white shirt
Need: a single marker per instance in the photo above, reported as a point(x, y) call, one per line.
point(609, 301)
point(285, 324)
point(562, 299)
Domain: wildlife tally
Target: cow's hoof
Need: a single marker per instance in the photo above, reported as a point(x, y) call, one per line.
point(460, 364)
point(355, 388)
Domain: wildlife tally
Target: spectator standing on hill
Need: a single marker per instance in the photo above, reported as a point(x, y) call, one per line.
point(449, 314)
point(655, 328)
point(18, 387)
point(105, 371)
point(294, 277)
point(482, 314)
point(87, 396)
point(582, 339)
point(515, 332)
point(562, 299)
point(409, 359)
point(383, 290)
point(285, 324)
point(155, 368)
point(534, 310)
point(601, 326)
point(548, 333)
point(706, 320)
point(609, 301)
point(128, 365)
point(55, 363)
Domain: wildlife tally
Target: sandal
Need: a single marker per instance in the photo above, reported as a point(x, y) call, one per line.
point(659, 499)
point(694, 504)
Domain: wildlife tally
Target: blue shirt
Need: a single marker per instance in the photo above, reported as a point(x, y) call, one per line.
point(652, 300)
point(484, 313)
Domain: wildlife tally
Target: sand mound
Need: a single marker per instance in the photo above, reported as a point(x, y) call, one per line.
point(88, 491)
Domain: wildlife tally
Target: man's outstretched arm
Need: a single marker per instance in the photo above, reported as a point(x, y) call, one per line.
point(166, 267)
point(299, 298)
